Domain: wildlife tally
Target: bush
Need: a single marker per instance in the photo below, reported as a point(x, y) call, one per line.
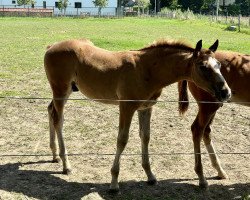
point(177, 13)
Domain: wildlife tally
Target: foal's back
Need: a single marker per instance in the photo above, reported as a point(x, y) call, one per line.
point(85, 53)
point(96, 72)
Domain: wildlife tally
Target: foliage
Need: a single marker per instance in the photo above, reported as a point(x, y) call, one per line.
point(62, 5)
point(142, 4)
point(177, 13)
point(208, 6)
point(25, 2)
point(174, 5)
point(244, 6)
point(233, 9)
point(100, 4)
point(193, 5)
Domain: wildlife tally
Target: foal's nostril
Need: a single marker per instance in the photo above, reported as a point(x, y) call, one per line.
point(225, 94)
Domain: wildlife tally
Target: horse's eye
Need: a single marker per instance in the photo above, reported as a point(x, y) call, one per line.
point(203, 68)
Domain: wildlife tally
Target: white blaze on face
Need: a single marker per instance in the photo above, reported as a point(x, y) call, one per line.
point(215, 65)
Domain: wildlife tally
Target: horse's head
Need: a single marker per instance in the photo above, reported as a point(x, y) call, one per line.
point(206, 72)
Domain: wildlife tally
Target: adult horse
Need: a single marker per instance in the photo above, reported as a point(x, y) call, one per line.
point(114, 77)
point(236, 70)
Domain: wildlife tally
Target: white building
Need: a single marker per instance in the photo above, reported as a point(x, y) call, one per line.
point(75, 7)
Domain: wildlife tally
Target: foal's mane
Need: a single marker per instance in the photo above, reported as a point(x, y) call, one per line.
point(174, 44)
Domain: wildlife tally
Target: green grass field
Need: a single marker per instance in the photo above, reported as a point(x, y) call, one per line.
point(24, 40)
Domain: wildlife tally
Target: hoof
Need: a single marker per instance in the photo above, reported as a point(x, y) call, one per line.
point(113, 191)
point(203, 185)
point(67, 171)
point(222, 176)
point(56, 160)
point(152, 182)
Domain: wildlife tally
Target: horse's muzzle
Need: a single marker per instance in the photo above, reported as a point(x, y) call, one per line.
point(223, 94)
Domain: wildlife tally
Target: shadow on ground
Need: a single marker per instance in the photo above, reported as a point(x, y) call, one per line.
point(45, 185)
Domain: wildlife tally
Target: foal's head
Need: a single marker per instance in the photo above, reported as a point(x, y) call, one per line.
point(206, 72)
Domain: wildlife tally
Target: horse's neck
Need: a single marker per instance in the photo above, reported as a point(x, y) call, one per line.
point(170, 67)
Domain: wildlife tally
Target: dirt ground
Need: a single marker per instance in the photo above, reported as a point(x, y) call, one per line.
point(91, 129)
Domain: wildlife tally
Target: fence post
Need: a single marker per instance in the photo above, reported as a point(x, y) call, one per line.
point(239, 21)
point(217, 9)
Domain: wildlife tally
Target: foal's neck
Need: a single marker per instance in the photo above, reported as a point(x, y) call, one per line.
point(170, 66)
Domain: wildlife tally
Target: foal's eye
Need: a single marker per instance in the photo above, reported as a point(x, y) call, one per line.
point(203, 68)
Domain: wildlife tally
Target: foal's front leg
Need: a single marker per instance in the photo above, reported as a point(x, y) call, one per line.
point(126, 114)
point(212, 154)
point(197, 132)
point(144, 131)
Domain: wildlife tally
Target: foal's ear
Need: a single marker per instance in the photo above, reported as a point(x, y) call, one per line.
point(214, 47)
point(198, 48)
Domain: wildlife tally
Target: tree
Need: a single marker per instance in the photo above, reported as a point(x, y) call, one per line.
point(233, 9)
point(25, 2)
point(62, 5)
point(100, 4)
point(208, 6)
point(142, 4)
point(174, 5)
point(193, 5)
point(244, 6)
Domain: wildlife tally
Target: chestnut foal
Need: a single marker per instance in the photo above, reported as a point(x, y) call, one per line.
point(114, 77)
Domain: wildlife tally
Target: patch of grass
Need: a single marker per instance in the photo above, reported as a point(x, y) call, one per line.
point(10, 93)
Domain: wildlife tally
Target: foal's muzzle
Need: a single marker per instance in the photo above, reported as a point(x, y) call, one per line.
point(223, 93)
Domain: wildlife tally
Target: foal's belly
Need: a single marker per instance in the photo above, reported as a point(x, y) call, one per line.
point(98, 93)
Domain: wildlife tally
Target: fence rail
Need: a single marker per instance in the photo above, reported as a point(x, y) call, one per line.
point(128, 154)
point(119, 100)
point(111, 154)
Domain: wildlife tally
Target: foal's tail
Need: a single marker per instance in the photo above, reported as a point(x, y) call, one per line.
point(183, 97)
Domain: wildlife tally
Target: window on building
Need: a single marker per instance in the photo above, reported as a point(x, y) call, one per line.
point(56, 4)
point(13, 2)
point(78, 4)
point(44, 4)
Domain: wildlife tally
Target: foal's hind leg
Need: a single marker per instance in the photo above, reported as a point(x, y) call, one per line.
point(53, 143)
point(56, 117)
point(144, 131)
point(212, 154)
